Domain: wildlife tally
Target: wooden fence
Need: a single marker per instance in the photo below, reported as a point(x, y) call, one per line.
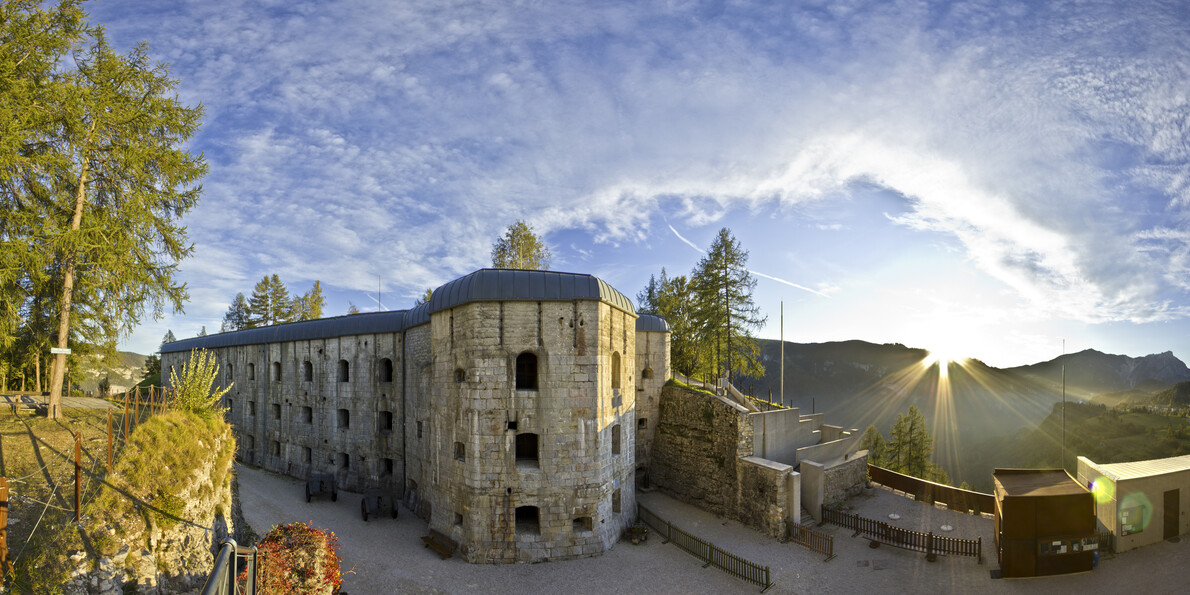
point(707, 551)
point(927, 491)
point(904, 538)
point(815, 540)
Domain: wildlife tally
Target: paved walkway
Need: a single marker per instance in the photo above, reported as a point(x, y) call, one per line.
point(388, 556)
point(6, 400)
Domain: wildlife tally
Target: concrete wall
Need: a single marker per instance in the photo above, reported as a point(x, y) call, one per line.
point(780, 433)
point(830, 452)
point(813, 488)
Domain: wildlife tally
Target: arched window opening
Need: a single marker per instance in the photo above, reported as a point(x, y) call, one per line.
point(526, 371)
point(647, 373)
point(526, 450)
point(344, 460)
point(230, 374)
point(344, 371)
point(616, 439)
point(344, 417)
point(460, 451)
point(386, 370)
point(460, 375)
point(616, 370)
point(276, 371)
point(251, 371)
point(528, 520)
point(307, 371)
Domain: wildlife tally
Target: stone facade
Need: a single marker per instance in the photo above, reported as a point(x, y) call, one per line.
point(504, 411)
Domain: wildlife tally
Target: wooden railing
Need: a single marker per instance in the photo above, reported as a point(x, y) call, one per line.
point(905, 538)
point(927, 491)
point(815, 540)
point(707, 551)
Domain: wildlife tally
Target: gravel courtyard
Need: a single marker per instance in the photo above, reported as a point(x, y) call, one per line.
point(388, 556)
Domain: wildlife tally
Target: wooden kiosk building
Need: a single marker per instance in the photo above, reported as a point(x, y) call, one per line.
point(1045, 523)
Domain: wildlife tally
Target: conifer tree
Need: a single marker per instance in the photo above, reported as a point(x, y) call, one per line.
point(270, 303)
point(308, 306)
point(911, 448)
point(674, 302)
point(237, 316)
point(520, 248)
point(425, 297)
point(112, 177)
point(724, 313)
point(873, 442)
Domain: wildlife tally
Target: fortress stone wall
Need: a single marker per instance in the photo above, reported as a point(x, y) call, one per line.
point(512, 411)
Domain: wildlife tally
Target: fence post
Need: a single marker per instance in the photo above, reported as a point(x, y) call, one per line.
point(78, 477)
point(109, 440)
point(124, 429)
point(930, 555)
point(4, 566)
point(137, 416)
point(979, 548)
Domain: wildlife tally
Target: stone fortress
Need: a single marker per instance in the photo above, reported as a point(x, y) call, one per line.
point(515, 412)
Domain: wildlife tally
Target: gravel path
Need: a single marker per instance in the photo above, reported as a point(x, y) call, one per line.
point(388, 556)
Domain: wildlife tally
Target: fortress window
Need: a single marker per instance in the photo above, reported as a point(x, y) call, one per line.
point(229, 405)
point(526, 371)
point(616, 439)
point(344, 371)
point(252, 408)
point(616, 501)
point(526, 450)
point(647, 373)
point(528, 520)
point(582, 524)
point(344, 460)
point(307, 454)
point(419, 429)
point(386, 421)
point(307, 371)
point(276, 371)
point(344, 419)
point(307, 415)
point(458, 519)
point(642, 423)
point(276, 447)
point(250, 442)
point(386, 467)
point(386, 370)
point(251, 371)
point(276, 411)
point(615, 370)
point(230, 376)
point(460, 451)
point(460, 375)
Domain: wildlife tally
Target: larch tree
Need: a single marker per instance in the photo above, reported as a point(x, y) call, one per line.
point(270, 303)
point(520, 248)
point(309, 305)
point(873, 442)
point(910, 450)
point(424, 298)
point(116, 178)
point(674, 301)
point(724, 313)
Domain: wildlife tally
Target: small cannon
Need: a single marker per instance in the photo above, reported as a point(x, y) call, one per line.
point(320, 484)
point(375, 502)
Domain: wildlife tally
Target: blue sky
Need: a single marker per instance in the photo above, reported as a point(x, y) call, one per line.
point(983, 178)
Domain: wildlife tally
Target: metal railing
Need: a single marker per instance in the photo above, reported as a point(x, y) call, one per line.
point(815, 540)
point(229, 562)
point(707, 551)
point(904, 538)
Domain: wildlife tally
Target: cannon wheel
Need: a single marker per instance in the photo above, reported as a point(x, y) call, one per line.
point(392, 504)
point(363, 508)
point(307, 493)
point(334, 494)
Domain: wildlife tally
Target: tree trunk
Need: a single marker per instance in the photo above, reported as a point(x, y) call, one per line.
point(37, 372)
point(53, 408)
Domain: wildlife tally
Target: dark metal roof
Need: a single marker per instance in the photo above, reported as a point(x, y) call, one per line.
point(323, 328)
point(651, 323)
point(482, 285)
point(495, 285)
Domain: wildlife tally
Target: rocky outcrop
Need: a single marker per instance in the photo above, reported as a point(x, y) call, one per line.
point(160, 535)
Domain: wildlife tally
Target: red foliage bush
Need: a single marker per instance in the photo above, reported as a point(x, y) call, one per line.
point(299, 558)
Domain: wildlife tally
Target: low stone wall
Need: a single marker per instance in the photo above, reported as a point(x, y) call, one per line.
point(702, 454)
point(845, 479)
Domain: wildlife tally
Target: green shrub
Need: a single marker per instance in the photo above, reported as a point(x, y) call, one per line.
point(195, 389)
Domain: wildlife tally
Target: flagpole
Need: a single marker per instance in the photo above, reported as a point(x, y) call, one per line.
point(782, 353)
point(1063, 405)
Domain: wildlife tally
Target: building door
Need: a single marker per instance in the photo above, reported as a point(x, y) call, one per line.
point(1172, 513)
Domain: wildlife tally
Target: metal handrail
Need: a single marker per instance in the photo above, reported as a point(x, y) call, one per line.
point(222, 580)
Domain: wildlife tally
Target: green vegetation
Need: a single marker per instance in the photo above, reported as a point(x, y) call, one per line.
point(1099, 433)
point(195, 391)
point(711, 313)
point(520, 248)
point(95, 177)
point(270, 304)
point(909, 451)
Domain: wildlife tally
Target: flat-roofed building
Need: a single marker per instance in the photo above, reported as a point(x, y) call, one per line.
point(1141, 502)
point(1045, 523)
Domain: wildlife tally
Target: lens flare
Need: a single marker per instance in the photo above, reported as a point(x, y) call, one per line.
point(1104, 489)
